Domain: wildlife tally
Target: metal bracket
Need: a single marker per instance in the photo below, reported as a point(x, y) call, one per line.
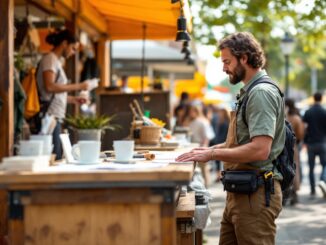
point(167, 193)
point(16, 207)
point(187, 226)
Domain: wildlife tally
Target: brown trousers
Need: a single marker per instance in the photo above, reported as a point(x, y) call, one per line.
point(246, 219)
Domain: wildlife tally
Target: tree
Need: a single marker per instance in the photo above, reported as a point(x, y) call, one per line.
point(268, 20)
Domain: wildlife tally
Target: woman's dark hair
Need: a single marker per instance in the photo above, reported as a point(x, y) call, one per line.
point(182, 107)
point(244, 43)
point(56, 38)
point(291, 105)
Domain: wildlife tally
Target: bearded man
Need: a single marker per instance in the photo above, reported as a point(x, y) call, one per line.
point(255, 138)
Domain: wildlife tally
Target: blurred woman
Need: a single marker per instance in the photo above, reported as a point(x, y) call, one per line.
point(220, 137)
point(199, 125)
point(53, 83)
point(298, 127)
point(180, 115)
point(201, 133)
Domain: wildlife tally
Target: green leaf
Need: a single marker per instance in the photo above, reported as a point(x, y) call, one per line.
point(92, 122)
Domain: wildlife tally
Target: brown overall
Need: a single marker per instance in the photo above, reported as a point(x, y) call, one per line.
point(246, 219)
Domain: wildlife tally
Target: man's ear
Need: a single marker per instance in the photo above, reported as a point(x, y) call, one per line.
point(244, 59)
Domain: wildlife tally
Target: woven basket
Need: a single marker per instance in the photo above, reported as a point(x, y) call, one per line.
point(150, 135)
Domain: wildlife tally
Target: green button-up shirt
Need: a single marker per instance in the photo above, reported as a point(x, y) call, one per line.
point(265, 116)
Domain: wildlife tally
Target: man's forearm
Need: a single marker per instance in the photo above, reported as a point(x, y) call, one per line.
point(219, 146)
point(251, 152)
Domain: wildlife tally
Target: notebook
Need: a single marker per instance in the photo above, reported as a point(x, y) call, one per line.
point(67, 148)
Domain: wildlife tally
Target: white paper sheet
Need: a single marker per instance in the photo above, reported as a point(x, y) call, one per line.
point(136, 166)
point(171, 156)
point(107, 166)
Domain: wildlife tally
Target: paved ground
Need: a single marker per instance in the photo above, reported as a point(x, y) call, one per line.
point(304, 223)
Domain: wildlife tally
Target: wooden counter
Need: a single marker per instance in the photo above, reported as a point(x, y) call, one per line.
point(95, 207)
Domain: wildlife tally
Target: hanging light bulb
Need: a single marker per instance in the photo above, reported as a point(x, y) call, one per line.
point(182, 34)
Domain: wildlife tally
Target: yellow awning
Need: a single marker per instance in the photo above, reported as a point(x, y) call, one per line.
point(120, 19)
point(125, 18)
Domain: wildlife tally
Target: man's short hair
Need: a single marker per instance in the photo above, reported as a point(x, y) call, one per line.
point(317, 97)
point(244, 43)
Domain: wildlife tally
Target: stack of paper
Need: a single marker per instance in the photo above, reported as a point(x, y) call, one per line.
point(25, 163)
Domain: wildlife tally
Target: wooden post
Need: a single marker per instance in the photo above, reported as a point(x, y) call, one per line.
point(7, 97)
point(103, 59)
point(7, 77)
point(72, 64)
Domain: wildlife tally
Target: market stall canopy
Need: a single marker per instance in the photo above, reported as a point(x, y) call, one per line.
point(125, 18)
point(120, 19)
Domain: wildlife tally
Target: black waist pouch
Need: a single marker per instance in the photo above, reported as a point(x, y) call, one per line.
point(245, 182)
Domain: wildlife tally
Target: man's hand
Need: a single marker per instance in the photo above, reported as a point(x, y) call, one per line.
point(197, 155)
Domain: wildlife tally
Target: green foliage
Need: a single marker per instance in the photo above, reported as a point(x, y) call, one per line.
point(267, 20)
point(92, 122)
point(19, 62)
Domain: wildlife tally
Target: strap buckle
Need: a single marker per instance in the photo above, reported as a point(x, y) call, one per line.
point(268, 174)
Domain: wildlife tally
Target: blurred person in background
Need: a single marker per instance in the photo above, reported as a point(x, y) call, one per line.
point(315, 138)
point(53, 82)
point(221, 132)
point(297, 124)
point(184, 98)
point(180, 115)
point(89, 69)
point(124, 85)
point(199, 125)
point(201, 132)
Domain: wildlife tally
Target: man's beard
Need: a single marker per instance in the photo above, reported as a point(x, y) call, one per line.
point(238, 75)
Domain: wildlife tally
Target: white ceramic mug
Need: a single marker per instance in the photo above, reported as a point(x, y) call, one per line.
point(87, 151)
point(123, 149)
point(47, 142)
point(30, 148)
point(181, 137)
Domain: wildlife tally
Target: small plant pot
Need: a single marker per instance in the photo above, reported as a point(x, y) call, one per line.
point(150, 135)
point(89, 134)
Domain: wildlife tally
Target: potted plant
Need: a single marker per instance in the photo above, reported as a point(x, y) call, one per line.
point(91, 127)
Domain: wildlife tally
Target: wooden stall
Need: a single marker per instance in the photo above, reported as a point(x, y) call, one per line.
point(87, 197)
point(95, 207)
point(117, 103)
point(185, 218)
